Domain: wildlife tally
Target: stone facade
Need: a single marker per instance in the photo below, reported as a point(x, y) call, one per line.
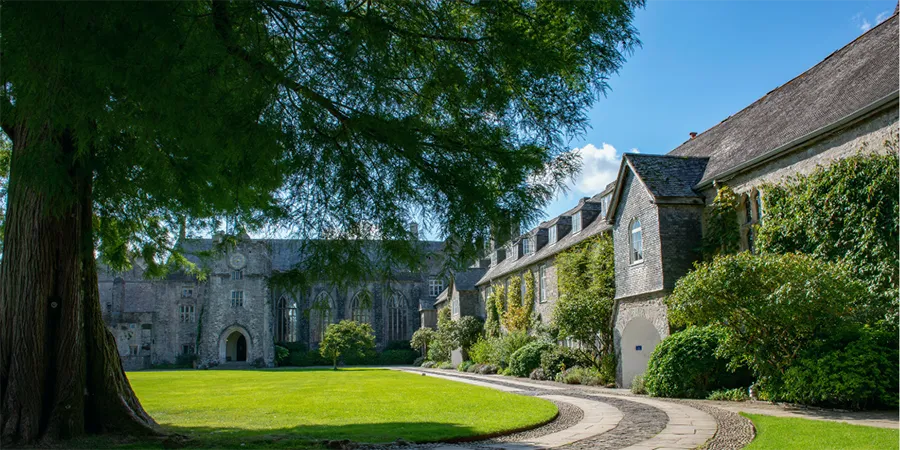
point(234, 317)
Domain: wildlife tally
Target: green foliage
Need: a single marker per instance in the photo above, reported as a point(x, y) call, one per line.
point(464, 366)
point(770, 307)
point(513, 320)
point(588, 376)
point(443, 343)
point(422, 339)
point(507, 345)
point(847, 211)
point(481, 351)
point(685, 365)
point(524, 360)
point(282, 356)
point(723, 231)
point(445, 365)
point(586, 274)
point(729, 395)
point(495, 306)
point(398, 345)
point(858, 370)
point(466, 332)
point(397, 357)
point(558, 359)
point(345, 339)
point(638, 385)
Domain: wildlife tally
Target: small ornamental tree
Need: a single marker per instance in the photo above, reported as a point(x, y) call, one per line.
point(847, 211)
point(422, 339)
point(723, 232)
point(347, 338)
point(771, 307)
point(467, 331)
point(443, 343)
point(586, 274)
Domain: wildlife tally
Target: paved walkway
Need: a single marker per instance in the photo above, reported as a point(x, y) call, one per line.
point(611, 419)
point(880, 419)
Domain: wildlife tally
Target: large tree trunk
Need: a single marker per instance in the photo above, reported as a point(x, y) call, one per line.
point(60, 372)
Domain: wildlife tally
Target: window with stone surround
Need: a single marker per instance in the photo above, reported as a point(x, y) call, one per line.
point(133, 350)
point(186, 313)
point(361, 307)
point(187, 349)
point(395, 319)
point(237, 299)
point(542, 282)
point(636, 242)
point(237, 274)
point(321, 315)
point(187, 292)
point(435, 286)
point(576, 222)
point(286, 323)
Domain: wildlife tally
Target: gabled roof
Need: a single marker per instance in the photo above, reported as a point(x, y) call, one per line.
point(668, 179)
point(465, 281)
point(851, 82)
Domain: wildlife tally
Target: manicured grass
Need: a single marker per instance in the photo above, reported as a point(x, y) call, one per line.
point(287, 407)
point(785, 433)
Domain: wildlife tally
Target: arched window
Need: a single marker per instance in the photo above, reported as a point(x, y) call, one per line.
point(361, 307)
point(321, 314)
point(637, 242)
point(286, 322)
point(396, 317)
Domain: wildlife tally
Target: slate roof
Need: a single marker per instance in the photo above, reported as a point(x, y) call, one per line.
point(508, 265)
point(849, 80)
point(466, 281)
point(668, 176)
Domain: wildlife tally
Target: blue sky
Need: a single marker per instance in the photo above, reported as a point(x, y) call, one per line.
point(700, 62)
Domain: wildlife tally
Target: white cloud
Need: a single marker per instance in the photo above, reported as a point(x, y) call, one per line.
point(599, 167)
point(882, 16)
point(865, 25)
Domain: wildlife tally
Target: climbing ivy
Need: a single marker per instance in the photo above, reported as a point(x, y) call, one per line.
point(494, 306)
point(847, 211)
point(518, 310)
point(723, 232)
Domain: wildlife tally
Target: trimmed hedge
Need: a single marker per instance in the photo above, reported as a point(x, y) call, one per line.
point(558, 359)
point(685, 365)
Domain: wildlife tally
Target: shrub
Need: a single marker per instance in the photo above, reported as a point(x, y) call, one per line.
point(557, 359)
point(507, 345)
point(481, 351)
point(423, 338)
point(366, 358)
point(858, 370)
point(770, 306)
point(588, 376)
point(428, 364)
point(419, 361)
point(685, 365)
point(524, 360)
point(398, 345)
point(467, 331)
point(347, 338)
point(445, 365)
point(282, 355)
point(537, 374)
point(637, 385)
point(397, 357)
point(186, 359)
point(729, 395)
point(464, 366)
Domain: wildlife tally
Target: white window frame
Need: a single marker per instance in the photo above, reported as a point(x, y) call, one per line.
point(435, 286)
point(542, 280)
point(636, 257)
point(551, 235)
point(576, 223)
point(527, 246)
point(237, 298)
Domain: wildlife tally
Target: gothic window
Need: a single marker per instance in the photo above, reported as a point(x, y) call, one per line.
point(637, 242)
point(186, 313)
point(576, 222)
point(435, 286)
point(237, 275)
point(396, 317)
point(321, 315)
point(237, 299)
point(187, 292)
point(287, 320)
point(361, 307)
point(552, 235)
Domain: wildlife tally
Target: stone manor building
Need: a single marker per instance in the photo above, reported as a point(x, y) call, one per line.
point(235, 316)
point(846, 104)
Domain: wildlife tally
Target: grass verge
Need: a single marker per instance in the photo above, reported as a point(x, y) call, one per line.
point(788, 433)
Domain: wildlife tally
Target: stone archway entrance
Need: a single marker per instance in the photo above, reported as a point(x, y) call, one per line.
point(638, 341)
point(234, 344)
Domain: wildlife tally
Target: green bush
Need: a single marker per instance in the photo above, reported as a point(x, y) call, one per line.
point(398, 345)
point(638, 386)
point(397, 357)
point(685, 365)
point(282, 355)
point(588, 376)
point(367, 358)
point(558, 359)
point(419, 361)
point(307, 358)
point(729, 395)
point(481, 351)
point(507, 345)
point(464, 366)
point(445, 365)
point(858, 370)
point(524, 360)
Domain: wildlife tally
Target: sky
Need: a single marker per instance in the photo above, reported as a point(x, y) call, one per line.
point(700, 62)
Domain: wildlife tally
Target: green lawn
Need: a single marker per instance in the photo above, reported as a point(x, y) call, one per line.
point(283, 408)
point(781, 433)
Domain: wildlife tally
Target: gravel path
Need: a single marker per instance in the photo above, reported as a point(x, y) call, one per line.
point(640, 422)
point(568, 416)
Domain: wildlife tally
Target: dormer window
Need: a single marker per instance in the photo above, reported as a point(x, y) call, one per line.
point(576, 222)
point(552, 235)
point(637, 242)
point(527, 246)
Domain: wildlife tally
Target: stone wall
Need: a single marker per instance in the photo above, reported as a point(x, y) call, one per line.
point(680, 228)
point(645, 276)
point(639, 344)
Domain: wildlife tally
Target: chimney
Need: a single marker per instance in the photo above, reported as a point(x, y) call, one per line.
point(414, 229)
point(693, 134)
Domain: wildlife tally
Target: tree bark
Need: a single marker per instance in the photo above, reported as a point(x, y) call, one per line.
point(60, 372)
